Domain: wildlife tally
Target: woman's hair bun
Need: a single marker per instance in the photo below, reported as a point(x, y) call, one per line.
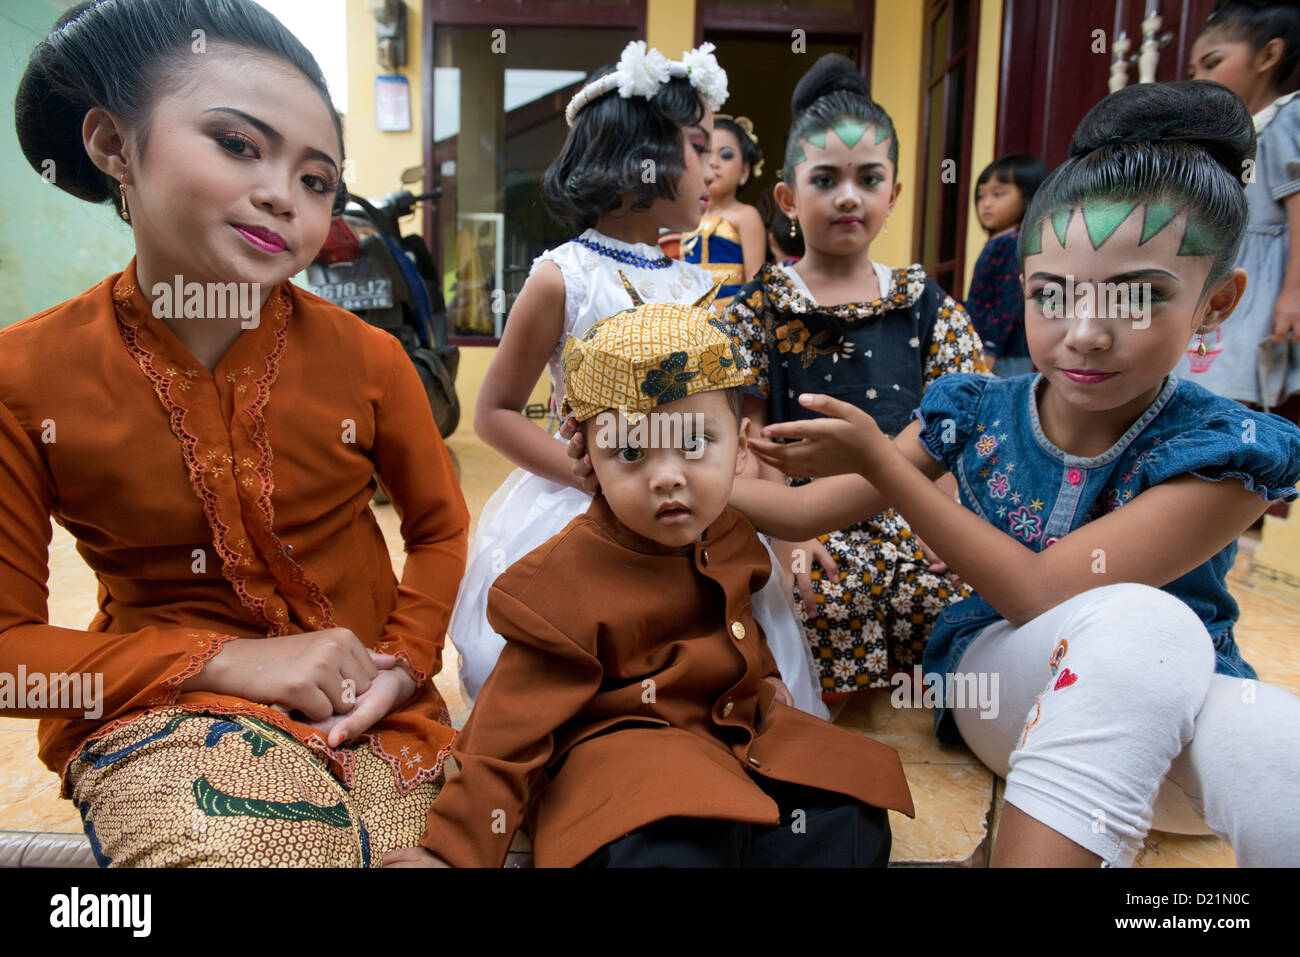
point(832, 73)
point(53, 98)
point(1200, 113)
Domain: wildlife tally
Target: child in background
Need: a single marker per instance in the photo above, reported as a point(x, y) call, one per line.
point(616, 122)
point(1102, 504)
point(1253, 49)
point(729, 241)
point(996, 300)
point(636, 717)
point(875, 336)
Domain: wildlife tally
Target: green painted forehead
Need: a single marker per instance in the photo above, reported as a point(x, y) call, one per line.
point(850, 131)
point(1102, 217)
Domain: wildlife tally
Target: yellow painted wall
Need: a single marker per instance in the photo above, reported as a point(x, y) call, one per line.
point(670, 26)
point(895, 85)
point(379, 157)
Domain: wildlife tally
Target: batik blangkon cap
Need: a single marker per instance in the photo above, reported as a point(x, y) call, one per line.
point(649, 355)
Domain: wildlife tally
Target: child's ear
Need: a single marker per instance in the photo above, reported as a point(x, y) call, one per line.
point(784, 197)
point(1221, 300)
point(742, 453)
point(893, 198)
point(107, 143)
point(1268, 56)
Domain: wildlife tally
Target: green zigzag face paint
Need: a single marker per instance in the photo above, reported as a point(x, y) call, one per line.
point(1155, 217)
point(850, 131)
point(1102, 217)
point(1198, 240)
point(1061, 223)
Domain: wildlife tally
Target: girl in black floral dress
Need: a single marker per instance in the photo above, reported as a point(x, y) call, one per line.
point(840, 324)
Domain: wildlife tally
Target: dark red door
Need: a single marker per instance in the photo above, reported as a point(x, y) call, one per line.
point(1052, 76)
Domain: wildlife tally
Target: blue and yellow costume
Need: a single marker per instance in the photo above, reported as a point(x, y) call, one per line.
point(716, 247)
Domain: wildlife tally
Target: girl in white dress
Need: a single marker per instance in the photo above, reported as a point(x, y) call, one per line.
point(633, 163)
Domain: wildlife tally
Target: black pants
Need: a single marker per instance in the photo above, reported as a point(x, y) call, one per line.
point(818, 829)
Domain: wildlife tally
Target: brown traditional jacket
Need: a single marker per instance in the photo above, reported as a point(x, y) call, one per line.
point(631, 689)
point(220, 505)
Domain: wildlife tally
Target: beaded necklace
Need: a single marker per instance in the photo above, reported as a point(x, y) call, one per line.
point(622, 255)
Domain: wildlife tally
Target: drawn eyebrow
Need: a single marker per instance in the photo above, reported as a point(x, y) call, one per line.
point(1118, 277)
point(272, 133)
point(832, 168)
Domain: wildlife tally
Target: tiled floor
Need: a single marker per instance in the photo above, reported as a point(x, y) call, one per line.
point(957, 800)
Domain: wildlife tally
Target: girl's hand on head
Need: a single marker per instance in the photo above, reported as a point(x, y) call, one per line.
point(391, 688)
point(848, 440)
point(1286, 320)
point(583, 473)
point(319, 673)
point(412, 857)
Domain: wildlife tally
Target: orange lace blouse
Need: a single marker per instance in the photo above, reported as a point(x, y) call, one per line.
point(220, 505)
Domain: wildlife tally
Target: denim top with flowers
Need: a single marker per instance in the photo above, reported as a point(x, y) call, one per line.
point(987, 433)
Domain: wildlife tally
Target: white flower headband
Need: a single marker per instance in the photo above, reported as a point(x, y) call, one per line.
point(642, 70)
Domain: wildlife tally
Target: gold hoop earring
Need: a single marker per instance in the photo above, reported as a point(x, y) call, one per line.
point(793, 223)
point(1200, 345)
point(125, 214)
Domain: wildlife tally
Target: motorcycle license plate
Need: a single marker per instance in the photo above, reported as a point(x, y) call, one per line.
point(344, 287)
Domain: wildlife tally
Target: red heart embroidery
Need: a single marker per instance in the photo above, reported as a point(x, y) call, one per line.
point(1067, 678)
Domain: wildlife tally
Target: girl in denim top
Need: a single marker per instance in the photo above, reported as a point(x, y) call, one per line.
point(1122, 702)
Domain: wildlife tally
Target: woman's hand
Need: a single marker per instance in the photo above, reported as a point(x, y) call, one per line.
point(848, 440)
point(584, 475)
point(413, 857)
point(320, 673)
point(797, 560)
point(391, 688)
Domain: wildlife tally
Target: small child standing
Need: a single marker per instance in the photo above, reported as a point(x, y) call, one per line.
point(646, 726)
point(841, 323)
point(996, 300)
point(730, 239)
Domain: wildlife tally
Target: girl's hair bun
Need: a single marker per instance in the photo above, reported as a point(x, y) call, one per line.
point(1200, 113)
point(831, 74)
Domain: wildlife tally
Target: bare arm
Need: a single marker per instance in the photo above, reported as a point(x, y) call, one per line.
point(536, 323)
point(1147, 541)
point(1286, 311)
point(796, 514)
point(753, 239)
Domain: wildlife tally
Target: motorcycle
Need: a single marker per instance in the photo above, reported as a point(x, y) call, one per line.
point(389, 280)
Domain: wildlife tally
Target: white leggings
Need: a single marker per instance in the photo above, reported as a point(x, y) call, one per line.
point(1111, 721)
